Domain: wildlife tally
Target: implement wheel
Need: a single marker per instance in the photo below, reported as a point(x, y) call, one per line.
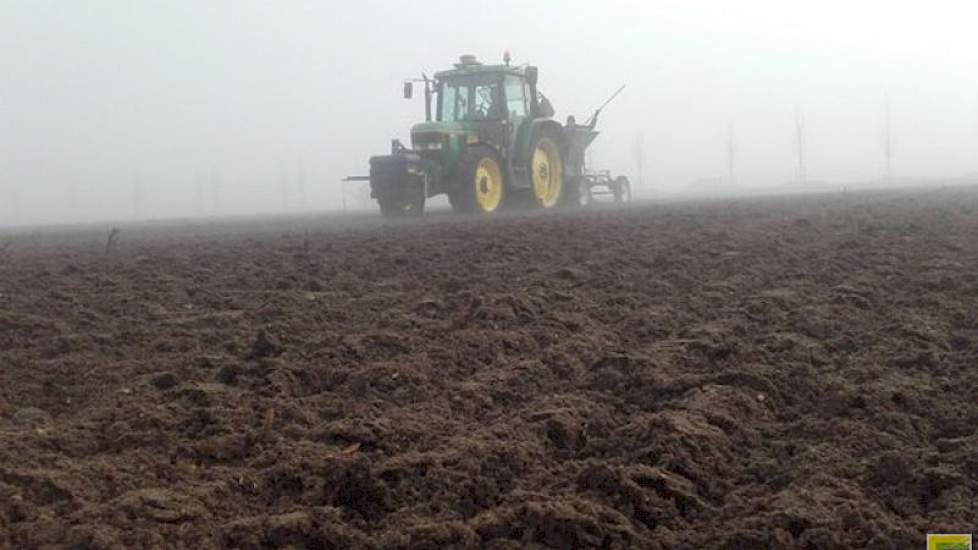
point(481, 187)
point(587, 197)
point(622, 189)
point(547, 171)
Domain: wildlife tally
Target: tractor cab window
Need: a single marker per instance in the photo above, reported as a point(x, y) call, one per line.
point(474, 97)
point(515, 97)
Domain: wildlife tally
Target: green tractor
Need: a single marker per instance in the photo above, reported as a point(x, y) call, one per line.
point(489, 142)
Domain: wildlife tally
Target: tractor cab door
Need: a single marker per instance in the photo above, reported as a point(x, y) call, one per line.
point(518, 103)
point(517, 92)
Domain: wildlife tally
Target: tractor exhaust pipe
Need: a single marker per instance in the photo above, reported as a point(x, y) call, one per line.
point(427, 97)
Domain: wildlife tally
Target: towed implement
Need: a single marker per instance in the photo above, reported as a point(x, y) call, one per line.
point(489, 141)
point(601, 182)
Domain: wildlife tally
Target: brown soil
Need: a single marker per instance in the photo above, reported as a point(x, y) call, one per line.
point(771, 373)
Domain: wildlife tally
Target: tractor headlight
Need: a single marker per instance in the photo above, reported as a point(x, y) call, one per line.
point(433, 146)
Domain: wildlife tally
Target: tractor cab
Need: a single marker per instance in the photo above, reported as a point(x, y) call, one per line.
point(476, 103)
point(476, 92)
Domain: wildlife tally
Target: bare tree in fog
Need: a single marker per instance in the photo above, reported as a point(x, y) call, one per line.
point(731, 155)
point(976, 141)
point(300, 182)
point(136, 186)
point(800, 145)
point(71, 193)
point(283, 183)
point(198, 192)
point(215, 189)
point(888, 141)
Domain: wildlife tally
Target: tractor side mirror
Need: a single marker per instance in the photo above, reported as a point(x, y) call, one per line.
point(408, 90)
point(545, 109)
point(531, 75)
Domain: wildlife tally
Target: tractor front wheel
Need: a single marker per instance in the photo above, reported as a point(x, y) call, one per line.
point(480, 188)
point(404, 204)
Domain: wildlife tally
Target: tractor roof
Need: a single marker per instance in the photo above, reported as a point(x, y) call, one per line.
point(468, 65)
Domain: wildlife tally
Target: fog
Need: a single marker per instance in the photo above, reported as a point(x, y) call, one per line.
point(119, 110)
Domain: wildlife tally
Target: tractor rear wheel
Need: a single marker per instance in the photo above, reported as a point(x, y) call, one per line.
point(547, 170)
point(480, 188)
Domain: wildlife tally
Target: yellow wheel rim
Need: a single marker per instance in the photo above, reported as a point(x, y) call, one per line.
point(548, 174)
point(488, 185)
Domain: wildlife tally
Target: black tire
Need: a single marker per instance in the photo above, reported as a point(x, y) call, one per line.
point(404, 204)
point(473, 190)
point(622, 189)
point(574, 191)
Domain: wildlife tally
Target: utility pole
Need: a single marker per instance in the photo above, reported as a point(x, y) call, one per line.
point(731, 155)
point(800, 145)
point(888, 141)
point(198, 192)
point(137, 195)
point(284, 185)
point(215, 185)
point(72, 193)
point(300, 181)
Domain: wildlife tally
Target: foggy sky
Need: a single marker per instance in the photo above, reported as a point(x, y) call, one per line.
point(121, 109)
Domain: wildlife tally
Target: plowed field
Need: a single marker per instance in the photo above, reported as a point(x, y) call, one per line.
point(749, 374)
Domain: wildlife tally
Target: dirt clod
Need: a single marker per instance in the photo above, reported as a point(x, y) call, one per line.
point(266, 344)
point(164, 381)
